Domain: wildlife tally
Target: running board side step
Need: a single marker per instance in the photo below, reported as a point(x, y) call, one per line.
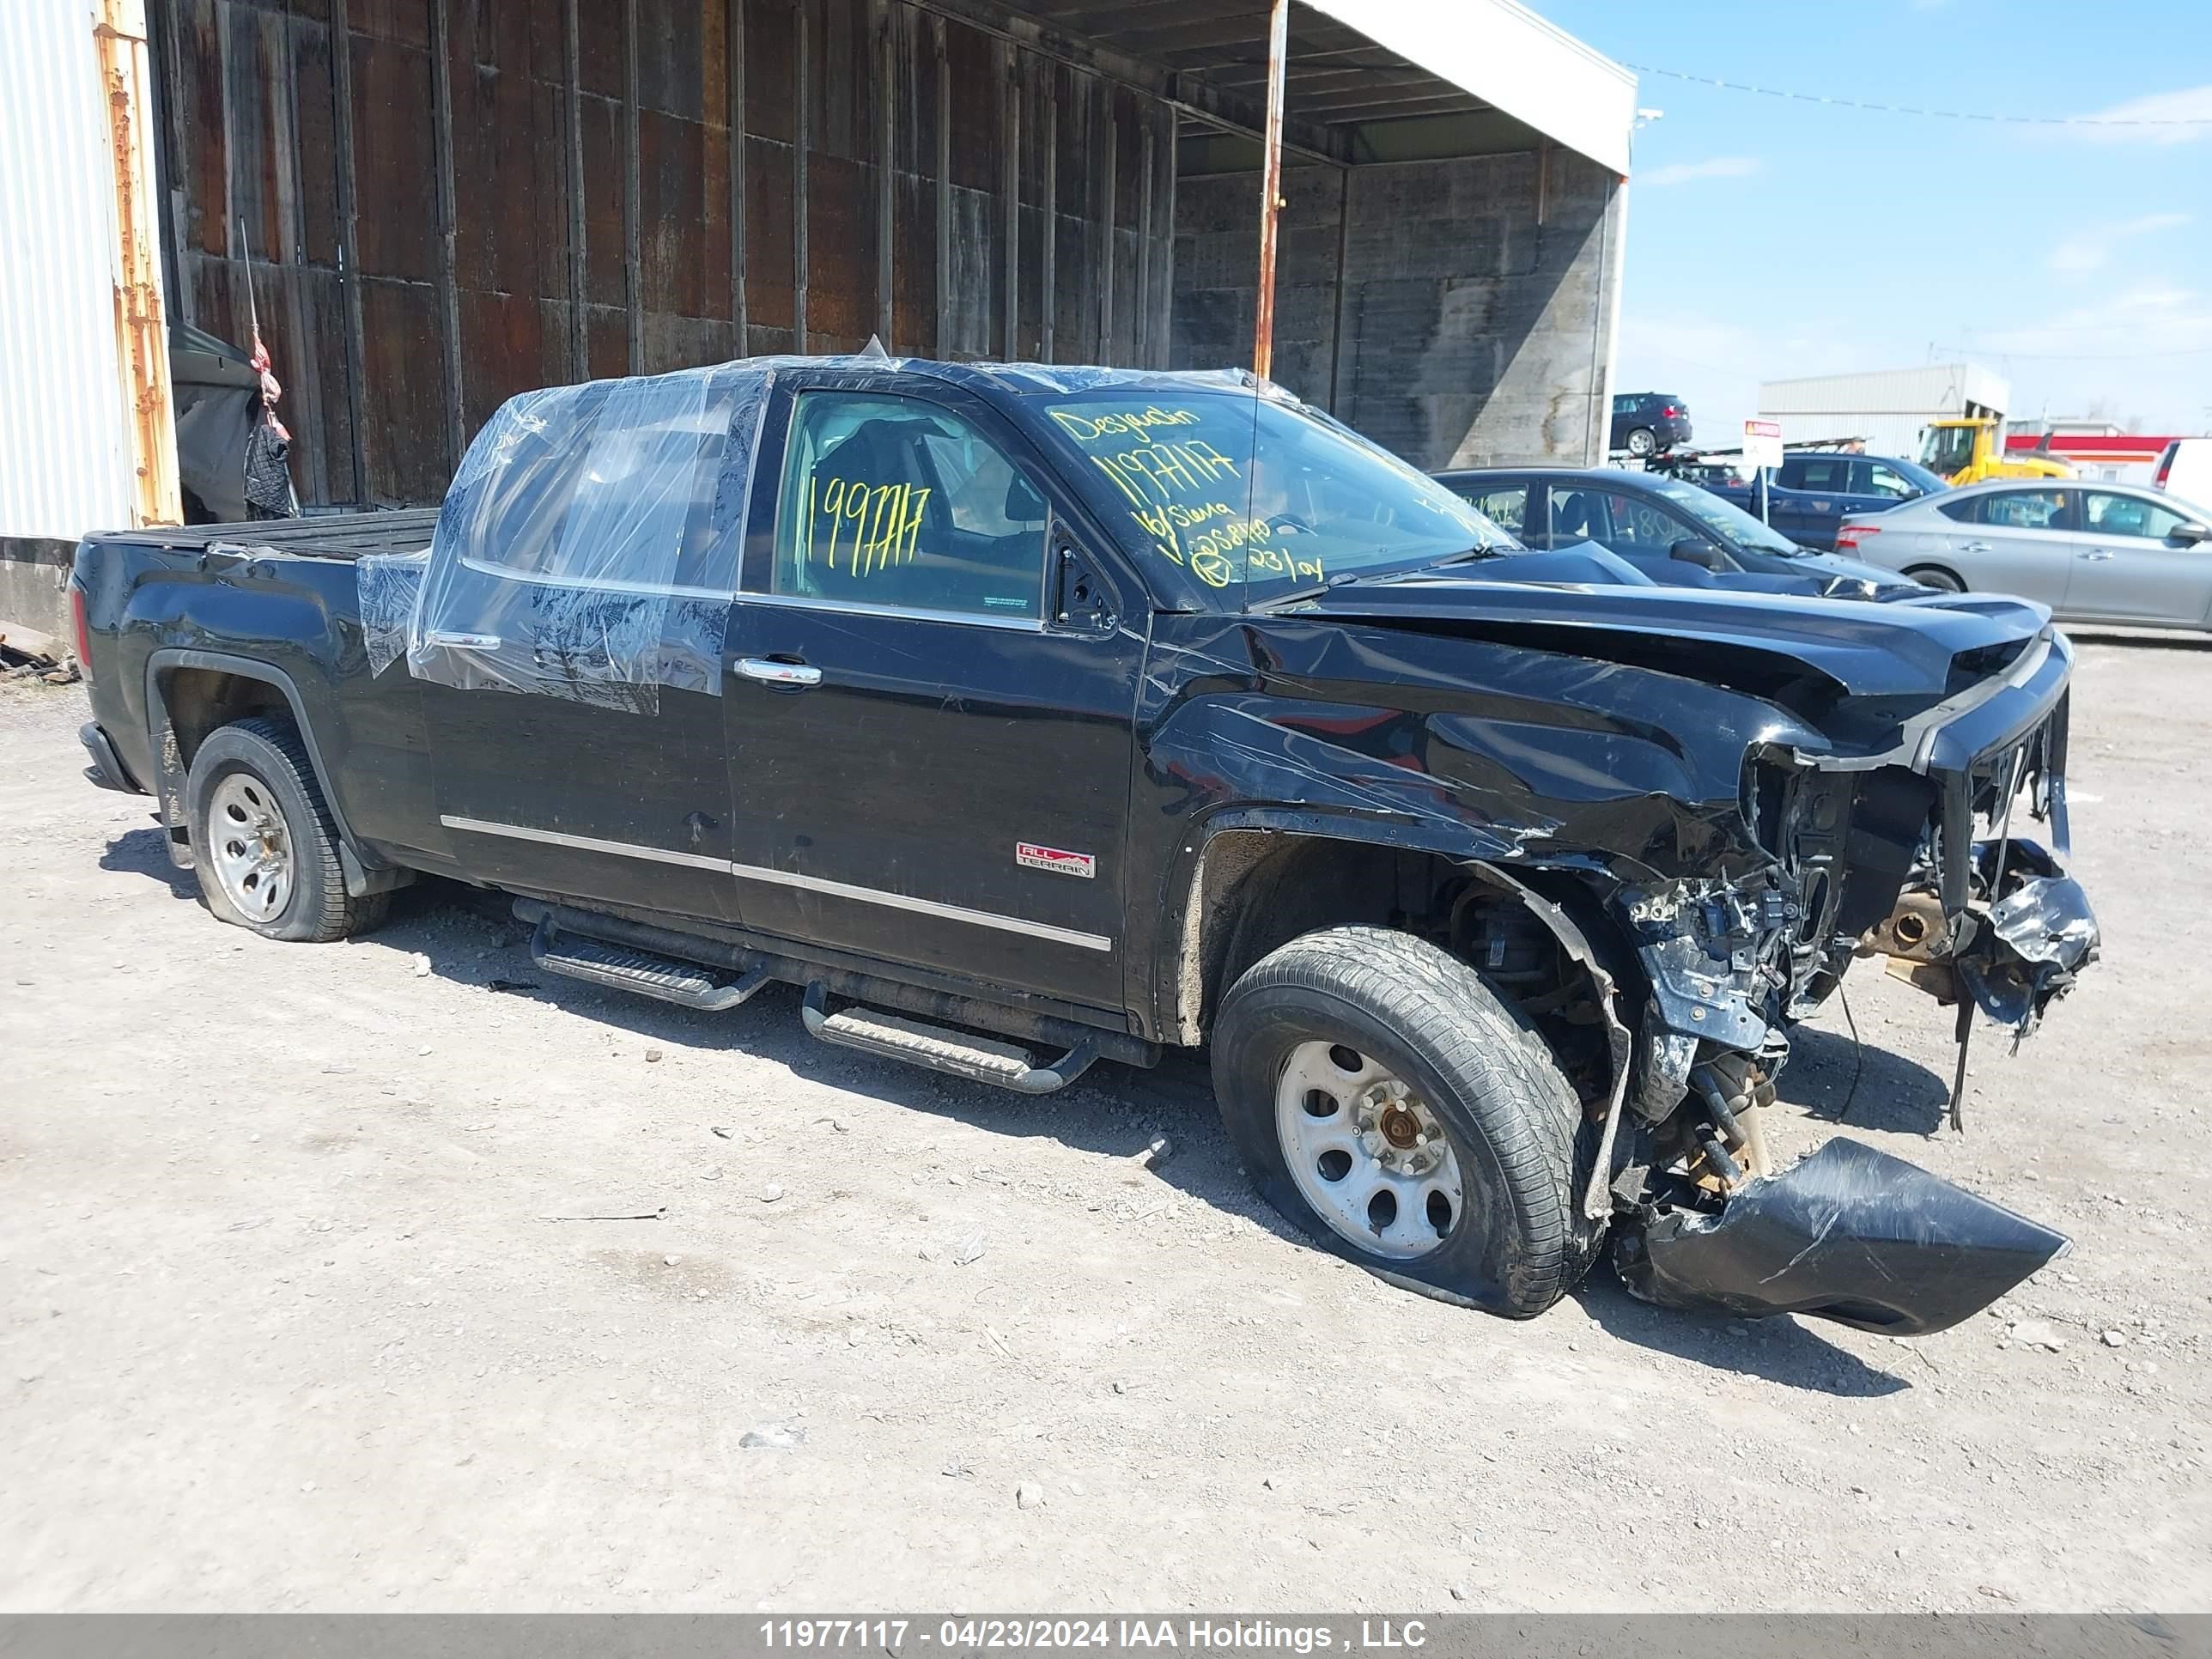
point(687, 984)
point(939, 1049)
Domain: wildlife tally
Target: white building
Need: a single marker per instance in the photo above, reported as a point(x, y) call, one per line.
point(1886, 407)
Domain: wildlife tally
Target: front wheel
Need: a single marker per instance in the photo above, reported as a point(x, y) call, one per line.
point(1390, 1106)
point(1642, 442)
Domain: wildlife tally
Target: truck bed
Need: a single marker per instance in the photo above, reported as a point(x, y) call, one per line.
point(333, 536)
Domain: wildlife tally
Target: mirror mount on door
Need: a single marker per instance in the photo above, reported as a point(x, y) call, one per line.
point(1081, 600)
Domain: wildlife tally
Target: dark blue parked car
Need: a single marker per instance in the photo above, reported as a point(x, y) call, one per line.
point(1673, 532)
point(1812, 493)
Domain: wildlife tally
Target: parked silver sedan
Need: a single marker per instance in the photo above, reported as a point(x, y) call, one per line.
point(2092, 552)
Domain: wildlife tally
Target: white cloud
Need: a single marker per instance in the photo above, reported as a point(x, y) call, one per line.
point(2159, 117)
point(1719, 166)
point(2093, 246)
point(2151, 320)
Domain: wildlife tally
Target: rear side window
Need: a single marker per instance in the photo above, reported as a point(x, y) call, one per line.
point(2012, 509)
point(895, 501)
point(587, 547)
point(1830, 472)
point(1505, 505)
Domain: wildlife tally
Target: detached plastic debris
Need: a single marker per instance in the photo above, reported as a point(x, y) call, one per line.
point(1851, 1234)
point(2039, 933)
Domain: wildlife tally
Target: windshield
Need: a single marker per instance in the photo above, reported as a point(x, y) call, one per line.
point(1730, 523)
point(1256, 497)
point(1946, 449)
point(1920, 478)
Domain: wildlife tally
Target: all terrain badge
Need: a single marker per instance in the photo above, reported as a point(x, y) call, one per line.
point(1032, 856)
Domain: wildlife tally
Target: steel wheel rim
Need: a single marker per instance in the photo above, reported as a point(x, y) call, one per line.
point(1367, 1152)
point(249, 845)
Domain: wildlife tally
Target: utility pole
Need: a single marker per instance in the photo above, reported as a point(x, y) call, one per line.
point(1271, 190)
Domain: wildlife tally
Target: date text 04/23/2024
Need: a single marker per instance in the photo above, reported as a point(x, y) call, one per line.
point(1202, 1635)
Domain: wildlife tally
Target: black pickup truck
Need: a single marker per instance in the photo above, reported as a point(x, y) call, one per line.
point(1027, 716)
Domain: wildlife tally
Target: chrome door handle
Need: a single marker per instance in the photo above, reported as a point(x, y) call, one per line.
point(464, 642)
point(1975, 547)
point(778, 673)
point(2097, 555)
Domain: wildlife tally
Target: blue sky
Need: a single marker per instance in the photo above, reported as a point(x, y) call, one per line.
point(1769, 238)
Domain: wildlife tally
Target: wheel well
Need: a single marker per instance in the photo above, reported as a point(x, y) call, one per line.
point(201, 700)
point(1927, 566)
point(1255, 890)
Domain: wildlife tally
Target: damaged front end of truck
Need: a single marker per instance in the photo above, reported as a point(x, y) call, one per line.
point(1715, 808)
point(1903, 851)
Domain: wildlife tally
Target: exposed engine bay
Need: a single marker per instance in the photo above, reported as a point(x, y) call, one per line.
point(1884, 863)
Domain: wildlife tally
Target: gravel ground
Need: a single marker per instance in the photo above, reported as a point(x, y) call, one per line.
point(287, 1325)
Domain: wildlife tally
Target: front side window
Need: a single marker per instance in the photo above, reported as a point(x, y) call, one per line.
point(1885, 480)
point(1618, 520)
point(892, 500)
point(2025, 509)
point(2110, 514)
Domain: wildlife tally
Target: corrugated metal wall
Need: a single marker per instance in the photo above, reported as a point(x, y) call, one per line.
point(1458, 311)
point(65, 456)
point(444, 202)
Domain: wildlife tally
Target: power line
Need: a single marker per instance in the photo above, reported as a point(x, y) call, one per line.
point(2081, 357)
point(1946, 114)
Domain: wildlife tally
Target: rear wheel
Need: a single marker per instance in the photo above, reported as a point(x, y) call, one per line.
point(264, 846)
point(1390, 1106)
point(1642, 441)
point(1928, 575)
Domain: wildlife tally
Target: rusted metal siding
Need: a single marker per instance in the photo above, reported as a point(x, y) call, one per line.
point(87, 432)
point(897, 168)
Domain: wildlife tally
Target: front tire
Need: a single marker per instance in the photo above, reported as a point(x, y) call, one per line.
point(1390, 1106)
point(1642, 443)
point(264, 846)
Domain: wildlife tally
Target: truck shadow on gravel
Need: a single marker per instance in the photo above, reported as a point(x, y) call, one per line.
point(2160, 641)
point(1114, 1111)
point(146, 852)
point(1785, 1350)
point(1856, 1086)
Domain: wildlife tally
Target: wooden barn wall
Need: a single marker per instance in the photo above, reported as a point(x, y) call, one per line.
point(437, 203)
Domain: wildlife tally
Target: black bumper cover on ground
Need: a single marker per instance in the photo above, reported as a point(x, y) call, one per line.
point(1849, 1234)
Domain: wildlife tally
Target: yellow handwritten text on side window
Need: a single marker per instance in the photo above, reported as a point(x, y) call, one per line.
point(876, 526)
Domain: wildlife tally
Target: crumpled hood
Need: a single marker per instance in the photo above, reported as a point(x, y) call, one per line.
point(1901, 649)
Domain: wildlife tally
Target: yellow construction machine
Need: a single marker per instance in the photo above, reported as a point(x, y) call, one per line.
point(1971, 449)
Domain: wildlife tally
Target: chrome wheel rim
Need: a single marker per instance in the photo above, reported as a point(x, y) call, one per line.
point(251, 847)
point(1367, 1151)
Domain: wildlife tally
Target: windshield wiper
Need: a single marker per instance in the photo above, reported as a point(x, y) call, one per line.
point(1468, 555)
point(1347, 579)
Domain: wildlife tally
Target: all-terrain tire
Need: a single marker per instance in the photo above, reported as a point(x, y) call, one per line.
point(1518, 1242)
point(269, 753)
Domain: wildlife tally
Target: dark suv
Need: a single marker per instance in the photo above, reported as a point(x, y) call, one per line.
point(1676, 533)
point(1648, 424)
point(1811, 494)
